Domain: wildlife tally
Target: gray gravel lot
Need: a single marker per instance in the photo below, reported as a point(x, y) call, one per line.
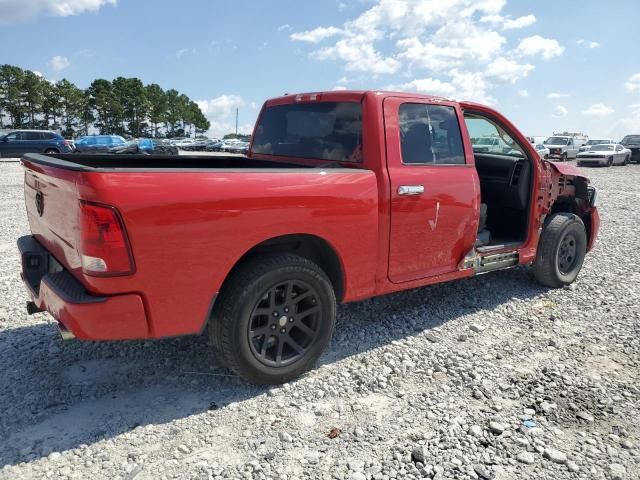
point(491, 377)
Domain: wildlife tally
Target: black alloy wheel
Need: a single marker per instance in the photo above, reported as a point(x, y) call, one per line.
point(284, 323)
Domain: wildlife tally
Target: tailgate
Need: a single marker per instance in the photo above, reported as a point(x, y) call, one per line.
point(52, 203)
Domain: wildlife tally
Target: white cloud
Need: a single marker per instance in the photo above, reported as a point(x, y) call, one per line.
point(557, 95)
point(463, 86)
point(560, 111)
point(183, 52)
point(339, 88)
point(633, 84)
point(508, 70)
point(537, 45)
point(359, 57)
point(221, 112)
point(457, 43)
point(316, 35)
point(284, 27)
point(523, 93)
point(520, 22)
point(598, 110)
point(594, 44)
point(580, 41)
point(59, 63)
point(15, 11)
point(628, 124)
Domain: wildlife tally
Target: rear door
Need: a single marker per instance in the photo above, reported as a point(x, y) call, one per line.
point(33, 143)
point(435, 191)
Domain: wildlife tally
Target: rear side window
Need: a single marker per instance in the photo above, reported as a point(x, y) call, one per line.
point(32, 135)
point(324, 130)
point(103, 140)
point(430, 134)
point(49, 135)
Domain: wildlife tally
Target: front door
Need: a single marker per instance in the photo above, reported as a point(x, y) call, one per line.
point(435, 191)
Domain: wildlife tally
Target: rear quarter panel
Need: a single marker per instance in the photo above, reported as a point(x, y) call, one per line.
point(188, 229)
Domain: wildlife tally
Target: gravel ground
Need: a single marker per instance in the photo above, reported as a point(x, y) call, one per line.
point(491, 377)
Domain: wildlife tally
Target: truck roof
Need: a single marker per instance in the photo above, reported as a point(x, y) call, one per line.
point(344, 96)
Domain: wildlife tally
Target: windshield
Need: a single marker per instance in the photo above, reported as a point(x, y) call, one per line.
point(597, 142)
point(324, 130)
point(602, 148)
point(557, 141)
point(629, 139)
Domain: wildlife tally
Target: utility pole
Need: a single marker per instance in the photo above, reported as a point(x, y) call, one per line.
point(236, 121)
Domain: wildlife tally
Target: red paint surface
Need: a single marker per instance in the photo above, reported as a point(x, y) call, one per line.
point(188, 229)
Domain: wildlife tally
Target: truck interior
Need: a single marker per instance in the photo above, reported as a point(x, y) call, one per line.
point(505, 174)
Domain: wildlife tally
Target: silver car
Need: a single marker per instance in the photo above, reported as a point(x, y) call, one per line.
point(605, 155)
point(591, 143)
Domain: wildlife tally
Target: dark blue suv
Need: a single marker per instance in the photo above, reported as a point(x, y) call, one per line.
point(18, 142)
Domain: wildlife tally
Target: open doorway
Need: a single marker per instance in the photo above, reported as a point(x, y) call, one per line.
point(505, 174)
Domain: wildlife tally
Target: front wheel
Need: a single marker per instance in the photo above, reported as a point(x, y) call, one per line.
point(561, 251)
point(274, 317)
point(609, 161)
point(563, 158)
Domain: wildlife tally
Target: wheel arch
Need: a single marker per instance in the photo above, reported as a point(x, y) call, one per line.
point(312, 247)
point(572, 205)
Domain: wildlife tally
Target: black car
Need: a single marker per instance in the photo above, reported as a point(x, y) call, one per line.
point(98, 143)
point(18, 142)
point(632, 142)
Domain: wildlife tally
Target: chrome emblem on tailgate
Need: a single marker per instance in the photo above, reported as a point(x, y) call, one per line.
point(40, 203)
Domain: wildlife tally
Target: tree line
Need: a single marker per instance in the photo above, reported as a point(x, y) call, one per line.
point(123, 106)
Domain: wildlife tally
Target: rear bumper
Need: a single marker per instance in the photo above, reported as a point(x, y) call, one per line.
point(87, 316)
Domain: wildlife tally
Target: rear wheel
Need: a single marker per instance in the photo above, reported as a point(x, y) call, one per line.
point(626, 161)
point(274, 318)
point(561, 251)
point(51, 151)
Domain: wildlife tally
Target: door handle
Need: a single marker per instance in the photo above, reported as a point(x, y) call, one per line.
point(410, 189)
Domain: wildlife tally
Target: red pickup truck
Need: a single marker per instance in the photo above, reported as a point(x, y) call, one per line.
point(342, 196)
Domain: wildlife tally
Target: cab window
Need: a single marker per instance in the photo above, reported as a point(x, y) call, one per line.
point(487, 137)
point(430, 135)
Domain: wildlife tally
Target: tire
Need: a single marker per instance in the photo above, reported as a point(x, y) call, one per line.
point(51, 151)
point(626, 161)
point(609, 161)
point(258, 328)
point(564, 157)
point(561, 251)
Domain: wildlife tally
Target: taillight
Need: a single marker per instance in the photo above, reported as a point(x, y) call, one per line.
point(104, 248)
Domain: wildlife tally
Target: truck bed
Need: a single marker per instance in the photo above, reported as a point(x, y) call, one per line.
point(138, 162)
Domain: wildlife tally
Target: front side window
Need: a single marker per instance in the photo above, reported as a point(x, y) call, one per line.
point(12, 137)
point(489, 137)
point(324, 130)
point(430, 134)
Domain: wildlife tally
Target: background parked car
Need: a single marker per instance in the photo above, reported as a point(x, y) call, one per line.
point(18, 142)
point(146, 146)
point(632, 142)
point(238, 147)
point(605, 155)
point(542, 150)
point(98, 143)
point(591, 143)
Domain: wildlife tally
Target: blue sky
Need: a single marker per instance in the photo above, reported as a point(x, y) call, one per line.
point(547, 65)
